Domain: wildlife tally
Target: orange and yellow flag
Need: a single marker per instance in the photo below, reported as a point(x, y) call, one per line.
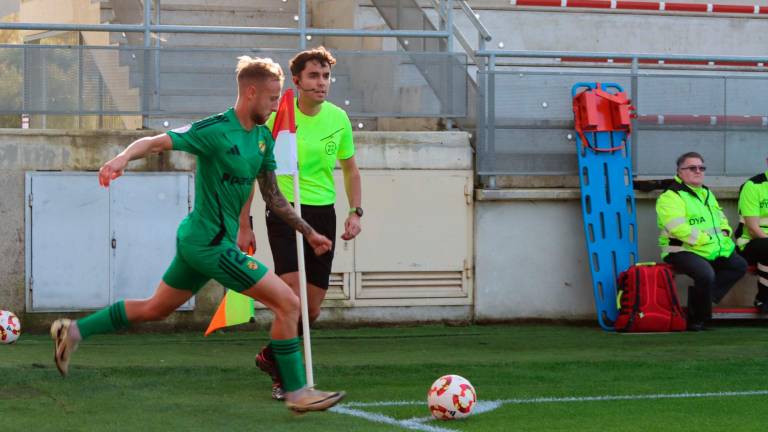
point(235, 308)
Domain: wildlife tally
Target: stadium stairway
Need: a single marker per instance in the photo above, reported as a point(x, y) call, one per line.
point(195, 81)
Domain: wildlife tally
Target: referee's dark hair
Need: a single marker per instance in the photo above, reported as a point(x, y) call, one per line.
point(319, 54)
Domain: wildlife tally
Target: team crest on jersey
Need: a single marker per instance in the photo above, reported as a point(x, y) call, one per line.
point(252, 265)
point(262, 146)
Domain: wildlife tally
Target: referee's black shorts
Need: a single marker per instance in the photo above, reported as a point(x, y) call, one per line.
point(282, 241)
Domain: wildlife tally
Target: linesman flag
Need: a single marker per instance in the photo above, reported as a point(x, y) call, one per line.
point(235, 308)
point(284, 133)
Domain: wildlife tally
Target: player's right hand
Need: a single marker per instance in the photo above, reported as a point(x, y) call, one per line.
point(246, 240)
point(320, 243)
point(112, 170)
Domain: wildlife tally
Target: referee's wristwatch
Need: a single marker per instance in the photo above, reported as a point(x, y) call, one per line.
point(356, 210)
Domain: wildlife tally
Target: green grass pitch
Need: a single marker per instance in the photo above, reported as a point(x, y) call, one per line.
point(528, 377)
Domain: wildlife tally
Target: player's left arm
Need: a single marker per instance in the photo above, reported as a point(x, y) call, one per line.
point(138, 149)
point(354, 189)
point(276, 203)
point(246, 239)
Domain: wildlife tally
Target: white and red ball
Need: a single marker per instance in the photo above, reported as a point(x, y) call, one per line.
point(451, 397)
point(10, 327)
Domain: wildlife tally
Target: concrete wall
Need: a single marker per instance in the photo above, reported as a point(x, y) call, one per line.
point(530, 255)
point(30, 150)
point(531, 259)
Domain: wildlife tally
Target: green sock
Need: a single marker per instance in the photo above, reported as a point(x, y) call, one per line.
point(107, 320)
point(289, 363)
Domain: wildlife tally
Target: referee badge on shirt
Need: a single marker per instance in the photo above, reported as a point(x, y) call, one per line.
point(330, 148)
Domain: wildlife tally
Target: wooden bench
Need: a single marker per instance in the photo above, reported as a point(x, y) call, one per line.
point(749, 312)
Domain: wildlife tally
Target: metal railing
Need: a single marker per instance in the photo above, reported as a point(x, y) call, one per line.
point(367, 83)
point(483, 34)
point(69, 81)
point(525, 119)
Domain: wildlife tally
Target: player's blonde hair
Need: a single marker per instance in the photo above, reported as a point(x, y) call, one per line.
point(257, 69)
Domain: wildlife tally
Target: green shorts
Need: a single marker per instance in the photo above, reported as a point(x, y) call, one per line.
point(195, 265)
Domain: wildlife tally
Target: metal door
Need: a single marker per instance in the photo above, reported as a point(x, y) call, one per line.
point(88, 247)
point(145, 212)
point(67, 251)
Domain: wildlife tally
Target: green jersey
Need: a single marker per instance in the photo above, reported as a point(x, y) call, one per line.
point(228, 160)
point(753, 201)
point(321, 139)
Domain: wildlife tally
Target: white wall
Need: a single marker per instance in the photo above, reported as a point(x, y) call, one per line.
point(531, 254)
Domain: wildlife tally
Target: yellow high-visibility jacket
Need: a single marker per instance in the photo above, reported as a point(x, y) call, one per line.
point(690, 219)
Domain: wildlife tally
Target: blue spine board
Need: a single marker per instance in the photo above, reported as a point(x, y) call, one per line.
point(608, 209)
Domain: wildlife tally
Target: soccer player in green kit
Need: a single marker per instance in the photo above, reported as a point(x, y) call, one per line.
point(233, 149)
point(323, 136)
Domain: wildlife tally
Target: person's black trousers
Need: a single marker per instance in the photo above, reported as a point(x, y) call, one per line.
point(711, 280)
point(756, 251)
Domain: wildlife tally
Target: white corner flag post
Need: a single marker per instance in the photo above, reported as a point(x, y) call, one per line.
point(286, 157)
point(303, 286)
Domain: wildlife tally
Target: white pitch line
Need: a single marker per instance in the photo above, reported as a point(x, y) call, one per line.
point(481, 407)
point(578, 398)
point(418, 423)
point(381, 418)
point(635, 397)
point(381, 403)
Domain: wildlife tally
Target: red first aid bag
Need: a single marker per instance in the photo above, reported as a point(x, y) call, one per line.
point(647, 300)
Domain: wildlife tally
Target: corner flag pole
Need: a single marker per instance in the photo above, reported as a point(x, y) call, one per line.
point(303, 288)
point(284, 133)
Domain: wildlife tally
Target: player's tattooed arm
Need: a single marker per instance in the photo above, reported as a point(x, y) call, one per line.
point(277, 203)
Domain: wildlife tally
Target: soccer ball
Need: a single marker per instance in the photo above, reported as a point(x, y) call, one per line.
point(10, 327)
point(451, 397)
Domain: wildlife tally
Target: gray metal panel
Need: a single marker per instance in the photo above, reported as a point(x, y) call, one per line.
point(537, 97)
point(687, 95)
point(69, 242)
point(746, 96)
point(745, 153)
point(145, 212)
point(660, 148)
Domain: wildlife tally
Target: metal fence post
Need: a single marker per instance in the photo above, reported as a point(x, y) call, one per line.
point(302, 24)
point(449, 50)
point(101, 101)
point(449, 25)
point(44, 88)
point(491, 136)
point(480, 122)
point(146, 72)
point(725, 131)
point(79, 116)
point(156, 60)
point(634, 97)
point(24, 80)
